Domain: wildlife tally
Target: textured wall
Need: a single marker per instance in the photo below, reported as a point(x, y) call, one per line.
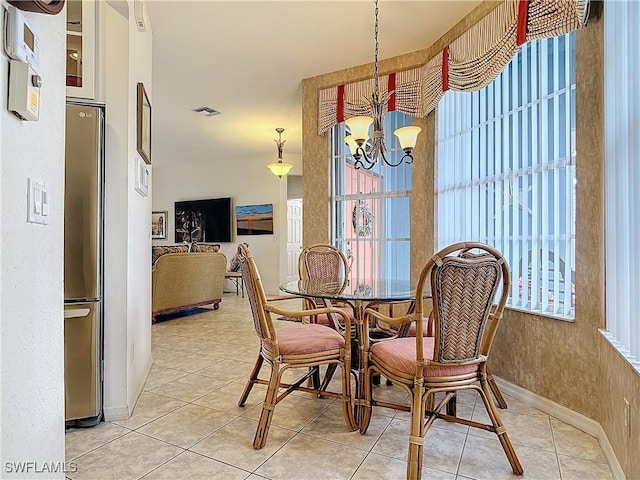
point(31, 277)
point(569, 363)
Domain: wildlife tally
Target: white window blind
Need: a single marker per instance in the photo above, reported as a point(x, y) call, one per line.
point(505, 173)
point(622, 172)
point(377, 239)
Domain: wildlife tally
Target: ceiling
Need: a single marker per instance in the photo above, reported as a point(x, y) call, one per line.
point(247, 59)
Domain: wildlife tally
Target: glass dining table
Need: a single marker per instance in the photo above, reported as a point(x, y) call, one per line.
point(359, 296)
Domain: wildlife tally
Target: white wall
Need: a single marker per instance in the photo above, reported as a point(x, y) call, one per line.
point(248, 182)
point(126, 60)
point(31, 256)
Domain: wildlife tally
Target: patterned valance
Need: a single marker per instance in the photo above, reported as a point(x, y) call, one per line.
point(469, 63)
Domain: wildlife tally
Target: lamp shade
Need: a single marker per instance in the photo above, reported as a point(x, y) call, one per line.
point(359, 127)
point(353, 145)
point(407, 136)
point(279, 168)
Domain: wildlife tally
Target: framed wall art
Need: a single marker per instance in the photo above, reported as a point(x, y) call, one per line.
point(158, 224)
point(254, 219)
point(143, 136)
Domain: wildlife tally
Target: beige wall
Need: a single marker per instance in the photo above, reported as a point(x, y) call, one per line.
point(569, 363)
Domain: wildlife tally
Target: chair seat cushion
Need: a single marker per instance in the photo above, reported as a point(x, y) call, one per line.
point(412, 328)
point(307, 338)
point(400, 354)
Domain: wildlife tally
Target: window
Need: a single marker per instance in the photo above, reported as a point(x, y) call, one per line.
point(370, 216)
point(505, 173)
point(622, 176)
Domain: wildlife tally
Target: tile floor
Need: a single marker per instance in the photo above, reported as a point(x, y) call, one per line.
point(187, 425)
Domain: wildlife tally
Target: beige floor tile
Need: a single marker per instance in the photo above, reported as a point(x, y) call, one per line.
point(294, 412)
point(233, 444)
point(191, 466)
point(384, 468)
point(574, 468)
point(515, 405)
point(226, 398)
point(574, 443)
point(149, 407)
point(306, 457)
point(228, 370)
point(128, 457)
point(160, 375)
point(330, 425)
point(79, 441)
point(527, 430)
point(187, 425)
point(484, 459)
point(189, 388)
point(442, 448)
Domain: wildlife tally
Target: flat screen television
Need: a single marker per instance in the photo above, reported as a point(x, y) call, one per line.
point(203, 220)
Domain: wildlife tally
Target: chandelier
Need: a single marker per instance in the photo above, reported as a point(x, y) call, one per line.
point(366, 156)
point(278, 168)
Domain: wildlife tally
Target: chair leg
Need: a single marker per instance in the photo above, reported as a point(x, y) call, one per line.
point(416, 435)
point(452, 406)
point(347, 408)
point(364, 410)
point(331, 368)
point(509, 451)
point(268, 407)
point(252, 380)
point(502, 403)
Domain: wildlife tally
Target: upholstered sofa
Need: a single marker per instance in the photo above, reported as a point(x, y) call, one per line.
point(186, 280)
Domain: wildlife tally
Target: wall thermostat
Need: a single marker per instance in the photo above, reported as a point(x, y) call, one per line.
point(24, 90)
point(22, 42)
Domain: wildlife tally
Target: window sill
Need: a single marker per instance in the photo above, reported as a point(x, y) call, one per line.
point(624, 353)
point(538, 313)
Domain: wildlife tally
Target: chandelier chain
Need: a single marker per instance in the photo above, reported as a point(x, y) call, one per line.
point(375, 53)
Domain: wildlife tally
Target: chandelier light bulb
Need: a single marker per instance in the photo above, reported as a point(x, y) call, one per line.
point(359, 127)
point(407, 136)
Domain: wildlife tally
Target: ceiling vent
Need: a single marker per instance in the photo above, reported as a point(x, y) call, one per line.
point(206, 111)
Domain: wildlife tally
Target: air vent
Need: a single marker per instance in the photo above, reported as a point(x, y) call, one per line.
point(206, 111)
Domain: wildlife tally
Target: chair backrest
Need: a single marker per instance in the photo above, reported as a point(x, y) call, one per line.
point(464, 288)
point(323, 261)
point(255, 293)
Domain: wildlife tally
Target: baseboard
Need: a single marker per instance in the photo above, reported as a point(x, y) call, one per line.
point(568, 416)
point(137, 390)
point(116, 413)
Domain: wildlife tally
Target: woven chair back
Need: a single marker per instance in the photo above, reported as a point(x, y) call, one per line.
point(255, 293)
point(323, 262)
point(464, 292)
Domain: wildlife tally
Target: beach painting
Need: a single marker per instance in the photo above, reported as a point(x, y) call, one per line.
point(254, 219)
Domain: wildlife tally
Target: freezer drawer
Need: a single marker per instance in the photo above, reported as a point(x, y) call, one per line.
point(82, 361)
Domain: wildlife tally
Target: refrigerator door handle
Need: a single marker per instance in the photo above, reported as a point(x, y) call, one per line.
point(76, 312)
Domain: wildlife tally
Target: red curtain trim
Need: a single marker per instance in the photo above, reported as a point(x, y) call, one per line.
point(523, 13)
point(340, 110)
point(445, 69)
point(391, 87)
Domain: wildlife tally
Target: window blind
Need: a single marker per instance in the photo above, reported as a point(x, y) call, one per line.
point(505, 172)
point(622, 172)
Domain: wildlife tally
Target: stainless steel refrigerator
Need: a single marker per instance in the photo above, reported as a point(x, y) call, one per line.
point(83, 264)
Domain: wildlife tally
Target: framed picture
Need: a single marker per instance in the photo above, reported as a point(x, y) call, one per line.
point(158, 224)
point(143, 143)
point(254, 219)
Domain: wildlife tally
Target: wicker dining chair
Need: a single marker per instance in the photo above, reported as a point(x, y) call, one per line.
point(323, 261)
point(455, 357)
point(297, 346)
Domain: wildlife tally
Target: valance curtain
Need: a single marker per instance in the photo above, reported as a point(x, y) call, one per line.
point(469, 63)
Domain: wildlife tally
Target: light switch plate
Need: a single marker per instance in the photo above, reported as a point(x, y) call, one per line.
point(37, 202)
